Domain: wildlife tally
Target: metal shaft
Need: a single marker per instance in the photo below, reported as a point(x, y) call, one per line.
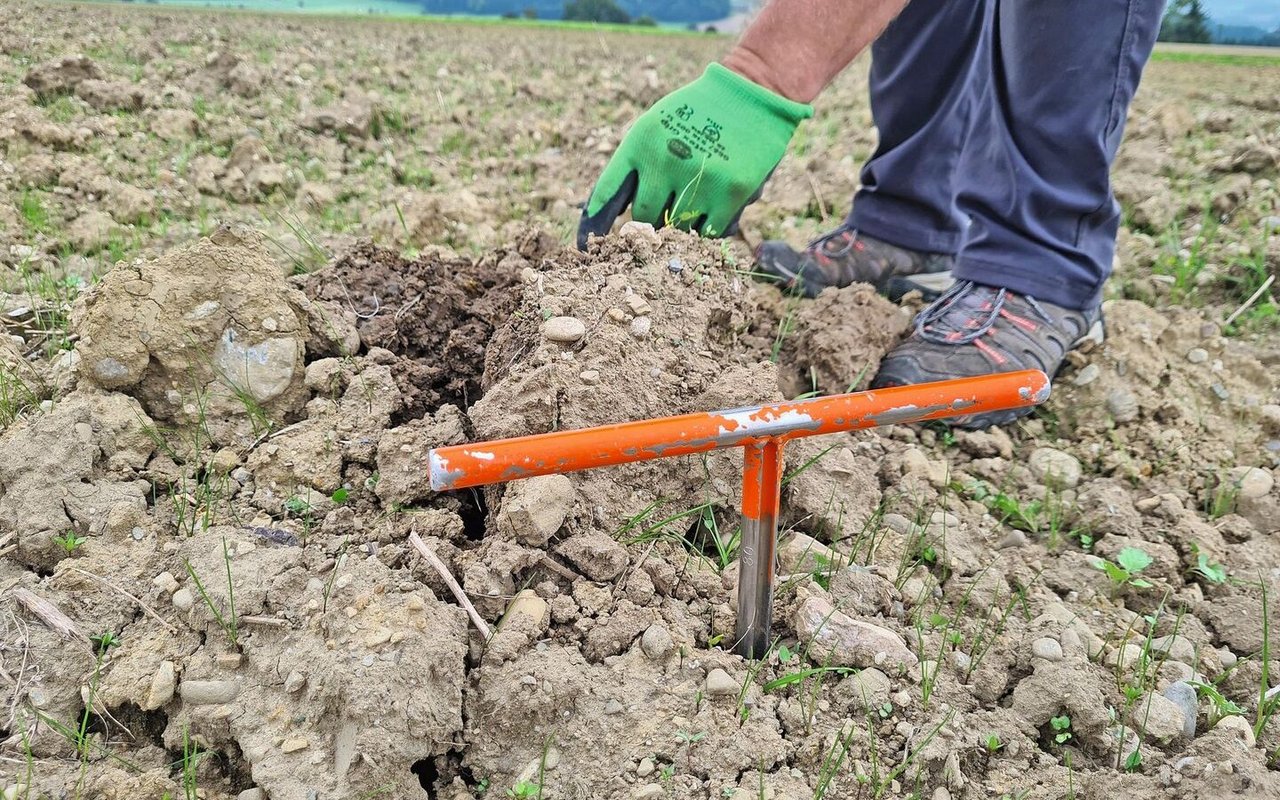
point(761, 500)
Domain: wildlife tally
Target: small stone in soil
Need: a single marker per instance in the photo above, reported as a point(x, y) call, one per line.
point(721, 684)
point(1183, 695)
point(1122, 405)
point(294, 744)
point(638, 305)
point(209, 692)
point(183, 600)
point(1240, 727)
point(1197, 355)
point(1046, 648)
point(1087, 375)
point(1055, 468)
point(656, 642)
point(163, 684)
point(1251, 483)
point(294, 682)
point(646, 767)
point(565, 330)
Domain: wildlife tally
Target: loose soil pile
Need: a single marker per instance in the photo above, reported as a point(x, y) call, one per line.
point(212, 457)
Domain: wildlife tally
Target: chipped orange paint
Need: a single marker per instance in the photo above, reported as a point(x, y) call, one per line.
point(482, 463)
point(761, 431)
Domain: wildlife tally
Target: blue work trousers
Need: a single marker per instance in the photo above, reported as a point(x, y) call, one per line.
point(999, 121)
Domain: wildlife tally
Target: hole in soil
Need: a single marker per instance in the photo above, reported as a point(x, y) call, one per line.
point(437, 313)
point(428, 774)
point(474, 511)
point(144, 725)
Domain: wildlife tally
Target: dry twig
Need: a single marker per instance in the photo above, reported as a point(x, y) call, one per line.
point(447, 577)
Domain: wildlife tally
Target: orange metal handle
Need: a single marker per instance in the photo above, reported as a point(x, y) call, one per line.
point(462, 466)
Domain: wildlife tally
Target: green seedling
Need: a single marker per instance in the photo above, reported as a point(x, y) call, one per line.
point(1125, 570)
point(340, 495)
point(525, 790)
point(228, 622)
point(690, 739)
point(1221, 705)
point(191, 755)
point(1267, 700)
point(1210, 571)
point(102, 642)
point(1062, 729)
point(992, 743)
point(69, 541)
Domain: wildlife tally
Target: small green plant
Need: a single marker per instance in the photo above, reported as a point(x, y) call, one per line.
point(1126, 570)
point(1061, 727)
point(1223, 496)
point(16, 395)
point(1212, 572)
point(992, 743)
point(301, 508)
point(690, 739)
point(228, 622)
point(1221, 705)
point(191, 755)
point(1182, 260)
point(102, 642)
point(69, 541)
point(525, 790)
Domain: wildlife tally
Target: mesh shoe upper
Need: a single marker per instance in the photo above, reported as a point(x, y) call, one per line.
point(976, 330)
point(842, 257)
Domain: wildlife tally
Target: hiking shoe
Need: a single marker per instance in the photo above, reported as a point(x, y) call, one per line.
point(846, 256)
point(977, 330)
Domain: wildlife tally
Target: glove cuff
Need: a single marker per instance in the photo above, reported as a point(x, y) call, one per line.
point(753, 93)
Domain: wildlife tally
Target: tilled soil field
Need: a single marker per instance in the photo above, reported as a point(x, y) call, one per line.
point(256, 267)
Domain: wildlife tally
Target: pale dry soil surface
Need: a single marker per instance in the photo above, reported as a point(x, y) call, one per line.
point(253, 268)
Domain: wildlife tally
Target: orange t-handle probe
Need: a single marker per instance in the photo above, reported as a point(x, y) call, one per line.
point(761, 431)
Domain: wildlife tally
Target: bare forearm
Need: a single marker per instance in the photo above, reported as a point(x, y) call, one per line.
point(796, 47)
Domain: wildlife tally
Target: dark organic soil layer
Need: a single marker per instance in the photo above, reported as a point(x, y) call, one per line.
point(437, 312)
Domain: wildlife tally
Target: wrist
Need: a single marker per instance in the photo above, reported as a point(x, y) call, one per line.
point(794, 85)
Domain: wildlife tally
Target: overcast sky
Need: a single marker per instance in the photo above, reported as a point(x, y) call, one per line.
point(1263, 13)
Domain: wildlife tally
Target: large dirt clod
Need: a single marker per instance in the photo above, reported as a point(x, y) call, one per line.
point(209, 334)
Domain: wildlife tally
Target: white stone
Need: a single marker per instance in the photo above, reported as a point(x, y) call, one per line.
point(209, 692)
point(721, 684)
point(262, 369)
point(183, 600)
point(163, 684)
point(848, 642)
point(1046, 648)
point(565, 330)
point(656, 642)
point(1252, 483)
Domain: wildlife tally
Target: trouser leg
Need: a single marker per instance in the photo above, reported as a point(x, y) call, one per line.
point(928, 72)
point(1038, 190)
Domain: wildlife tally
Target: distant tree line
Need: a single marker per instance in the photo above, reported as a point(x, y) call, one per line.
point(594, 10)
point(1185, 21)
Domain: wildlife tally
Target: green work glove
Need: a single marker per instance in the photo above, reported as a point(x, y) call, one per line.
point(697, 158)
